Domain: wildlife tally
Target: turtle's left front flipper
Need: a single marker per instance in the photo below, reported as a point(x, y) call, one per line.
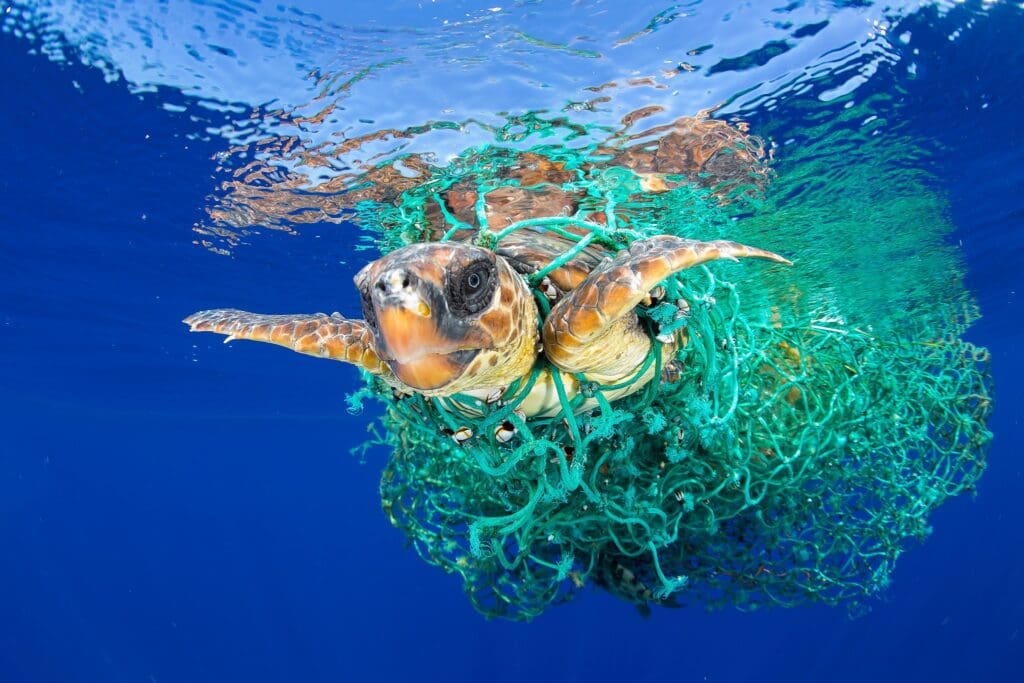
point(318, 334)
point(594, 328)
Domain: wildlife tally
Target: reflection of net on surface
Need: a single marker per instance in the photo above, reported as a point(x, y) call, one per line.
point(267, 183)
point(790, 462)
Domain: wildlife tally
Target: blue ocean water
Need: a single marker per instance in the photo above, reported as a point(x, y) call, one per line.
point(175, 510)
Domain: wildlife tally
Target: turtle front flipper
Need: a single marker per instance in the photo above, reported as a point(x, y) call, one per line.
point(595, 330)
point(318, 334)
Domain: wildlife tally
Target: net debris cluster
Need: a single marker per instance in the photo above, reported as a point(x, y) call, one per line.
point(788, 457)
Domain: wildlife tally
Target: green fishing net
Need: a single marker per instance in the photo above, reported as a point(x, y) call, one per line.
point(797, 450)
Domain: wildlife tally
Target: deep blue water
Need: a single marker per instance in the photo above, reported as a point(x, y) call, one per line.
point(173, 512)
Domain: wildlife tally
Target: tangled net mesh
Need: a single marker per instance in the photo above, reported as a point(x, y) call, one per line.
point(791, 461)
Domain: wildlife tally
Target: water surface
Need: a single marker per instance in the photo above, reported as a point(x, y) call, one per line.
point(178, 510)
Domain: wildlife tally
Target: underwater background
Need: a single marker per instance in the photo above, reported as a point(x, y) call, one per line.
point(172, 509)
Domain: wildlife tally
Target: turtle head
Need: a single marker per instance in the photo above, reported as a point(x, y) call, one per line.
point(449, 317)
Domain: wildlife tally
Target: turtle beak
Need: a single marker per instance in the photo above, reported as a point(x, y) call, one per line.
point(407, 335)
point(415, 347)
point(406, 324)
point(424, 345)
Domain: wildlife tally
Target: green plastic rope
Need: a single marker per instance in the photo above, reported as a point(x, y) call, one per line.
point(791, 462)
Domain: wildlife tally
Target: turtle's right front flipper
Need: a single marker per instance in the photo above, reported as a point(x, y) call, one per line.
point(318, 334)
point(594, 328)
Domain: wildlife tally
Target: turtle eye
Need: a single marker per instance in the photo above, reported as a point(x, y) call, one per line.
point(471, 288)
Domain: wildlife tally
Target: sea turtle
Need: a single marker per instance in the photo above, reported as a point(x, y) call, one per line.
point(441, 318)
point(451, 317)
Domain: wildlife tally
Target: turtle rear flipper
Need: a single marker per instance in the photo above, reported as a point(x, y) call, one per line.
point(318, 334)
point(590, 329)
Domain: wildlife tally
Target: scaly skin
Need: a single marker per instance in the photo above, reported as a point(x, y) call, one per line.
point(588, 330)
point(419, 342)
point(319, 334)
